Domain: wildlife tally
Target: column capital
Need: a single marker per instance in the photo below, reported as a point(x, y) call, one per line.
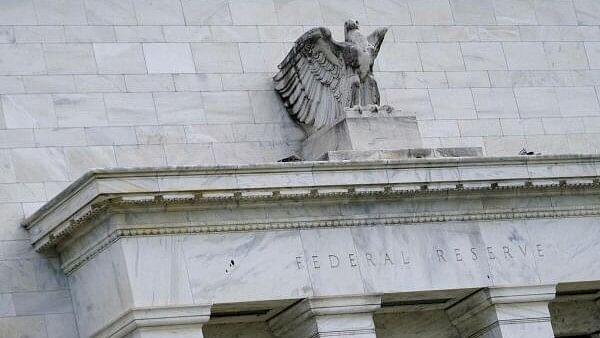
point(143, 319)
point(320, 317)
point(497, 309)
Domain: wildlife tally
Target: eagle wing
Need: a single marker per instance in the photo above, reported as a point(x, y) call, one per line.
point(313, 79)
point(376, 39)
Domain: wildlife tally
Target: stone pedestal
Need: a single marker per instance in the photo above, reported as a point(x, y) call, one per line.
point(364, 132)
point(512, 312)
point(326, 317)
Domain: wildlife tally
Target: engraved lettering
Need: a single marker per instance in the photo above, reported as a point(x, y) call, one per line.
point(458, 255)
point(447, 255)
point(334, 261)
point(440, 255)
point(315, 260)
point(369, 258)
point(490, 253)
point(523, 250)
point(405, 260)
point(387, 259)
point(474, 254)
point(299, 262)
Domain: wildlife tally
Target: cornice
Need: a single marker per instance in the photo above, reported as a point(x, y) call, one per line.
point(193, 200)
point(60, 223)
point(291, 167)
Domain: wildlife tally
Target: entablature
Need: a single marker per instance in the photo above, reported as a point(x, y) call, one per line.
point(104, 191)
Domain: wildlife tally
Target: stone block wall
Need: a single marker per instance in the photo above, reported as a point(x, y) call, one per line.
point(104, 83)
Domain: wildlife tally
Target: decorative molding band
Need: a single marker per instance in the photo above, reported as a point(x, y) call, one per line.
point(146, 317)
point(192, 199)
point(306, 167)
point(345, 333)
point(365, 220)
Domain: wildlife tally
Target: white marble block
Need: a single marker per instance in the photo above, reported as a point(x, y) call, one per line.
point(159, 322)
point(364, 131)
point(513, 312)
point(179, 331)
point(350, 316)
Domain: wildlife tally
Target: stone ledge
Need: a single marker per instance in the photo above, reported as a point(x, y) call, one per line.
point(402, 154)
point(306, 166)
point(88, 196)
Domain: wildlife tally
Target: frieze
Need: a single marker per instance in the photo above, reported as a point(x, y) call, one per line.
point(103, 193)
point(88, 253)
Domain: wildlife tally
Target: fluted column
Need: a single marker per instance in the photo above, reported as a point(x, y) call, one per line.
point(350, 317)
point(512, 312)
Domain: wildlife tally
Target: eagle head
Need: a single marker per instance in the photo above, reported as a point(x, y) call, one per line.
point(350, 25)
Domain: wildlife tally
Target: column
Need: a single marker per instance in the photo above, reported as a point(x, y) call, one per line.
point(511, 312)
point(160, 322)
point(597, 333)
point(350, 317)
point(179, 331)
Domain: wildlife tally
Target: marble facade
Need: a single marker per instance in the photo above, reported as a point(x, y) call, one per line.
point(326, 248)
point(425, 209)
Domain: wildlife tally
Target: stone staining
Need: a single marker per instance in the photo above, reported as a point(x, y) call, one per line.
point(320, 78)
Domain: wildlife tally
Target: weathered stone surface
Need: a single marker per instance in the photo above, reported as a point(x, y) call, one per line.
point(168, 58)
point(367, 259)
point(346, 317)
point(483, 56)
point(505, 312)
point(70, 59)
point(58, 110)
point(21, 59)
point(119, 58)
point(367, 131)
point(429, 324)
point(79, 110)
point(130, 109)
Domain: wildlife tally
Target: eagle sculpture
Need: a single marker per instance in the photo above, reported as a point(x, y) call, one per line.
point(320, 78)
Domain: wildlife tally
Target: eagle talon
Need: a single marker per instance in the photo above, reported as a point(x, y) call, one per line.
point(357, 108)
point(387, 108)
